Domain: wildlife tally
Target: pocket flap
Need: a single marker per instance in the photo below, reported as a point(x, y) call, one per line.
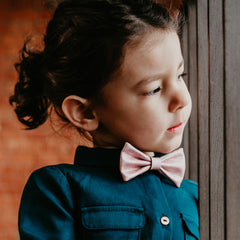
point(191, 226)
point(112, 217)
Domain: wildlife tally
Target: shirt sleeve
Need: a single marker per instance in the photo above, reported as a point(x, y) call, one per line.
point(46, 209)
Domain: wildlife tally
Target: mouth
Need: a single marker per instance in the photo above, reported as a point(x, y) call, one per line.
point(176, 129)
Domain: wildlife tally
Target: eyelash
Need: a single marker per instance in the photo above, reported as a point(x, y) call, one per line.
point(153, 92)
point(182, 75)
point(159, 89)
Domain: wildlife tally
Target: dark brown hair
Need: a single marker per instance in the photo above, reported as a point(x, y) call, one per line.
point(83, 47)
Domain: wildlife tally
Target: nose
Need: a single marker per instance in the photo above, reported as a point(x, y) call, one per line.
point(179, 99)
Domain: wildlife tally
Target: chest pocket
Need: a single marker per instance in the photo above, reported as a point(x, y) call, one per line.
point(112, 222)
point(191, 229)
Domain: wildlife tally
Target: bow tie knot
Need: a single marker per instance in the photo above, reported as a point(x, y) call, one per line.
point(134, 162)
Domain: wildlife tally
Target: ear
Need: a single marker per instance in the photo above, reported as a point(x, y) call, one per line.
point(78, 111)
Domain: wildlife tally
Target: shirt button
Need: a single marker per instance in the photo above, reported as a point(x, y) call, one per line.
point(165, 220)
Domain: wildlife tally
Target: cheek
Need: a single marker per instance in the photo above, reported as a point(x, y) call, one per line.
point(188, 100)
point(189, 105)
point(151, 123)
point(187, 93)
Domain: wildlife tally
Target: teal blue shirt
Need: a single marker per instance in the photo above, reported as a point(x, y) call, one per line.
point(89, 200)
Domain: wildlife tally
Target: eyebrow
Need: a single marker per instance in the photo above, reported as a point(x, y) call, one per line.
point(156, 77)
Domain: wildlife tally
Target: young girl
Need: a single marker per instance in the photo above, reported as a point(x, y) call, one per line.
point(113, 69)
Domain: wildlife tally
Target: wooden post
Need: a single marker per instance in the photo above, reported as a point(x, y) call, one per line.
point(232, 116)
point(203, 117)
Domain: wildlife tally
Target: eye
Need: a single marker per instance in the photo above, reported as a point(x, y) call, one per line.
point(181, 76)
point(152, 92)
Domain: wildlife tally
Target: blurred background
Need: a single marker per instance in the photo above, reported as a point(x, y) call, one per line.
point(22, 151)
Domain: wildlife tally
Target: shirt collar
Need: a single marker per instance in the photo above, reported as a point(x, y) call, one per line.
point(99, 157)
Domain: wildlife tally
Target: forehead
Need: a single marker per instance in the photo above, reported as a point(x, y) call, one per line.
point(157, 52)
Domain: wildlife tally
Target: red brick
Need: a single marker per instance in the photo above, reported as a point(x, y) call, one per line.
point(21, 152)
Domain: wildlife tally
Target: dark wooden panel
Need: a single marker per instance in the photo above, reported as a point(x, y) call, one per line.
point(216, 120)
point(203, 117)
point(232, 69)
point(213, 130)
point(184, 44)
point(192, 72)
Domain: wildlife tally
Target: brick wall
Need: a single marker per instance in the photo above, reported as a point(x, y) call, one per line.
point(22, 151)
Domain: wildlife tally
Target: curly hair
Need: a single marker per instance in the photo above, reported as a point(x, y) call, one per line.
point(83, 46)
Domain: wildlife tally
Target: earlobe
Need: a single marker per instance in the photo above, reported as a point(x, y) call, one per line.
point(77, 110)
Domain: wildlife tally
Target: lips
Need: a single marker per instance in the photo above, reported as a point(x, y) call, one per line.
point(176, 129)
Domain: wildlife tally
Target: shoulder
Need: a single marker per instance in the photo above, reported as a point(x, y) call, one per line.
point(49, 175)
point(49, 172)
point(52, 179)
point(61, 178)
point(47, 203)
point(59, 171)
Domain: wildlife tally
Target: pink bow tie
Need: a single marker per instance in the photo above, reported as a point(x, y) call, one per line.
point(134, 162)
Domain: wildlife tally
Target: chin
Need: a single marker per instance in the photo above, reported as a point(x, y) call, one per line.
point(170, 148)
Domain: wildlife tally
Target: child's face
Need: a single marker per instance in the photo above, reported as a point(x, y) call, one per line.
point(148, 98)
